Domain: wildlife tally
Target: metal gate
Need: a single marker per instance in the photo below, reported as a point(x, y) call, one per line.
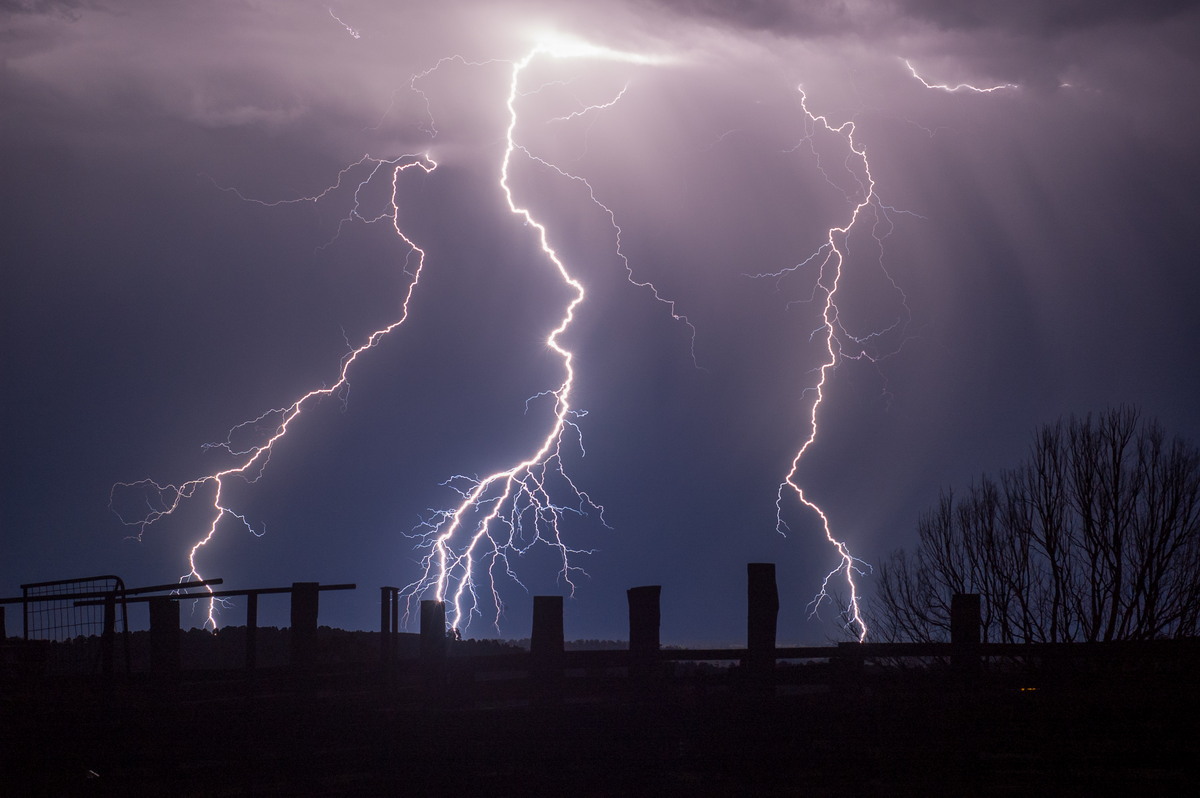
point(79, 637)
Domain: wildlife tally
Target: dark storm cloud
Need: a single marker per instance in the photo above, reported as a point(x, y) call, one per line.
point(1024, 17)
point(1040, 17)
point(1043, 45)
point(67, 8)
point(776, 16)
point(1040, 45)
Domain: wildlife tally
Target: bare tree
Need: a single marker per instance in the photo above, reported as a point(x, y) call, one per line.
point(1096, 536)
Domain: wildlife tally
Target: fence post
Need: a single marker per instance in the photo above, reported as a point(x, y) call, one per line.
point(305, 597)
point(433, 630)
point(251, 631)
point(109, 635)
point(645, 618)
point(966, 622)
point(433, 647)
point(387, 632)
point(546, 640)
point(164, 637)
point(546, 647)
point(761, 618)
point(395, 618)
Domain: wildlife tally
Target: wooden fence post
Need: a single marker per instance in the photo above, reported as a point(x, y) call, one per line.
point(433, 631)
point(546, 640)
point(644, 624)
point(546, 647)
point(387, 626)
point(305, 597)
point(433, 648)
point(395, 619)
point(109, 635)
point(762, 615)
point(966, 624)
point(251, 631)
point(164, 637)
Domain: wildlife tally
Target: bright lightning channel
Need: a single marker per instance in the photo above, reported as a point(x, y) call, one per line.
point(961, 86)
point(830, 260)
point(838, 344)
point(250, 461)
point(354, 34)
point(511, 510)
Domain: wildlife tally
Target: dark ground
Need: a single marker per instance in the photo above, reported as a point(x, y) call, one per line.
point(705, 731)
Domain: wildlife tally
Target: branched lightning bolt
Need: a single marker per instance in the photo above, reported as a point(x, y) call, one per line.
point(830, 259)
point(516, 500)
point(250, 460)
point(510, 511)
point(838, 343)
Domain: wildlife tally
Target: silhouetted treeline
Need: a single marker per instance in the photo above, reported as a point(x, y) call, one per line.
point(1095, 537)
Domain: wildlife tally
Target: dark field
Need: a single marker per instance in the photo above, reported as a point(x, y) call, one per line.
point(691, 730)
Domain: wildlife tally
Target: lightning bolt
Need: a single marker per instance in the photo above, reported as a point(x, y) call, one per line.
point(830, 260)
point(509, 511)
point(163, 500)
point(354, 34)
point(961, 86)
point(837, 343)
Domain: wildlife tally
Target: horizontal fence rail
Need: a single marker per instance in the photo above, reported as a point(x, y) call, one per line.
point(435, 664)
point(83, 611)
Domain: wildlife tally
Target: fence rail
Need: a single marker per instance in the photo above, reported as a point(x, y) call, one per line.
point(432, 658)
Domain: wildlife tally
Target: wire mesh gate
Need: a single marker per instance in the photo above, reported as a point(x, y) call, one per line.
point(79, 638)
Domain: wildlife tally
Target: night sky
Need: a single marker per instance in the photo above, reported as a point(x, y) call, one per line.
point(1033, 252)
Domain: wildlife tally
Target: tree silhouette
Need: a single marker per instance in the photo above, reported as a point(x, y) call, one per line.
point(1096, 536)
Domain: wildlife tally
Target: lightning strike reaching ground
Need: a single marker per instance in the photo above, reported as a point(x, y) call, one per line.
point(838, 344)
point(830, 260)
point(510, 511)
point(250, 461)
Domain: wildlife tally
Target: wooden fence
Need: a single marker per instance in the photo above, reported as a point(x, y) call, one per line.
point(434, 664)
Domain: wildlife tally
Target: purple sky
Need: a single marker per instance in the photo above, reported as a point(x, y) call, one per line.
point(1044, 241)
